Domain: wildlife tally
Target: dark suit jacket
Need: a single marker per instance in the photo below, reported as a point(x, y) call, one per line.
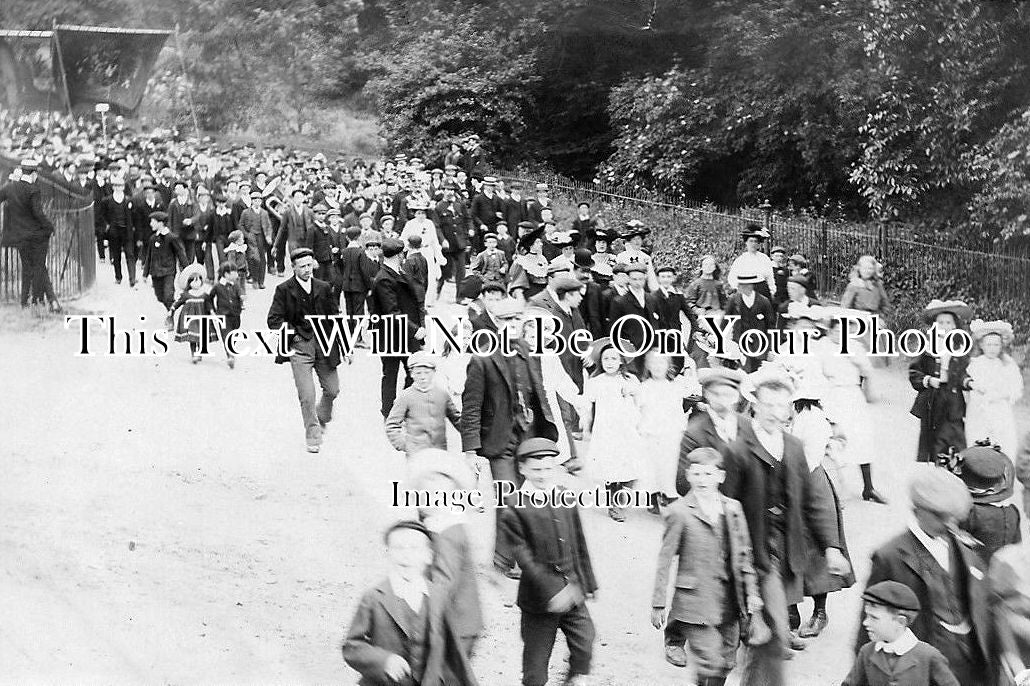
point(759, 316)
point(571, 363)
point(488, 402)
point(141, 217)
point(379, 630)
point(453, 225)
point(396, 294)
point(591, 312)
point(297, 229)
point(906, 560)
point(701, 433)
point(26, 222)
point(809, 501)
point(924, 665)
point(164, 255)
point(484, 211)
point(354, 266)
point(633, 331)
point(290, 305)
point(455, 569)
point(417, 269)
point(548, 562)
point(691, 538)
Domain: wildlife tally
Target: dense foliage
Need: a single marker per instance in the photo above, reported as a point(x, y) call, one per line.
point(909, 110)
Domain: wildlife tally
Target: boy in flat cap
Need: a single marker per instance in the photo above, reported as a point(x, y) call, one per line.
point(557, 577)
point(933, 559)
point(421, 411)
point(895, 656)
point(403, 632)
point(163, 255)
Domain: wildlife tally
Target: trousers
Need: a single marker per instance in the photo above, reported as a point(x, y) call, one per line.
point(164, 289)
point(538, 634)
point(34, 275)
point(307, 358)
point(714, 647)
point(453, 267)
point(763, 665)
point(119, 246)
point(256, 258)
point(391, 369)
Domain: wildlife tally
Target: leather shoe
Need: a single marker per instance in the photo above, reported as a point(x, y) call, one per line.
point(872, 496)
point(815, 625)
point(676, 655)
point(796, 643)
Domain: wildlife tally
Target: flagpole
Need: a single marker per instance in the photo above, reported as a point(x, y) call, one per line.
point(189, 89)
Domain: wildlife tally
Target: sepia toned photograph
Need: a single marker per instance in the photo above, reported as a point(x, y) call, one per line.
point(483, 343)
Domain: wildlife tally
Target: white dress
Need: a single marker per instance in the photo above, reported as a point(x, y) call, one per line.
point(662, 422)
point(846, 405)
point(989, 412)
point(615, 444)
point(431, 249)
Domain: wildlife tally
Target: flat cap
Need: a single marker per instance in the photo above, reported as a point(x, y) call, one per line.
point(508, 308)
point(391, 247)
point(557, 265)
point(301, 252)
point(536, 448)
point(892, 594)
point(567, 284)
point(421, 359)
point(714, 376)
point(937, 490)
point(159, 216)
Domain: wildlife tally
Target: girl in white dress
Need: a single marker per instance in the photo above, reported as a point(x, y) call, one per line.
point(996, 386)
point(611, 414)
point(663, 420)
point(847, 401)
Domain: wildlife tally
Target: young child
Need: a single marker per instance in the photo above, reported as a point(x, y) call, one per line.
point(420, 412)
point(716, 583)
point(893, 654)
point(491, 263)
point(505, 243)
point(227, 302)
point(611, 413)
point(663, 420)
point(415, 264)
point(996, 386)
point(549, 546)
point(403, 631)
point(236, 253)
point(192, 302)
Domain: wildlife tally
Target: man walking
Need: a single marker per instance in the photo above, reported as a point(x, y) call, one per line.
point(294, 300)
point(29, 231)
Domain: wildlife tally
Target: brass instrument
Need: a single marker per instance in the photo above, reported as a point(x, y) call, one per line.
point(274, 199)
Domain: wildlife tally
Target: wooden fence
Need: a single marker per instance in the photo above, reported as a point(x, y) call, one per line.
point(72, 261)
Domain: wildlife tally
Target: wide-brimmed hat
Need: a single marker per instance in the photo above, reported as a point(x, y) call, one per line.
point(978, 328)
point(601, 235)
point(593, 356)
point(955, 307)
point(560, 239)
point(809, 386)
point(530, 238)
point(987, 472)
point(634, 227)
point(767, 374)
point(754, 231)
point(431, 462)
point(182, 279)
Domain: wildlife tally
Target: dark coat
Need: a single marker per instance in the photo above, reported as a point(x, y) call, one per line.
point(924, 665)
point(452, 220)
point(354, 266)
point(570, 362)
point(291, 304)
point(590, 309)
point(164, 255)
point(809, 504)
point(906, 560)
point(379, 629)
point(26, 223)
point(117, 217)
point(141, 217)
point(297, 228)
point(485, 211)
point(941, 411)
point(417, 268)
point(488, 402)
point(701, 433)
point(514, 212)
point(547, 560)
point(633, 331)
point(454, 568)
point(395, 294)
point(691, 538)
point(759, 316)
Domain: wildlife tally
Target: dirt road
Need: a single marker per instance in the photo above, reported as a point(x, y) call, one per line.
point(162, 523)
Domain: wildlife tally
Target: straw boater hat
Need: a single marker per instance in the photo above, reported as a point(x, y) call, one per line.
point(182, 280)
point(987, 472)
point(979, 328)
point(955, 307)
point(750, 278)
point(714, 376)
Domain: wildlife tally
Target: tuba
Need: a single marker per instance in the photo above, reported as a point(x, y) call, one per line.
point(274, 197)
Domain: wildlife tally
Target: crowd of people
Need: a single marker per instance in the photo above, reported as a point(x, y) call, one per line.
point(740, 455)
